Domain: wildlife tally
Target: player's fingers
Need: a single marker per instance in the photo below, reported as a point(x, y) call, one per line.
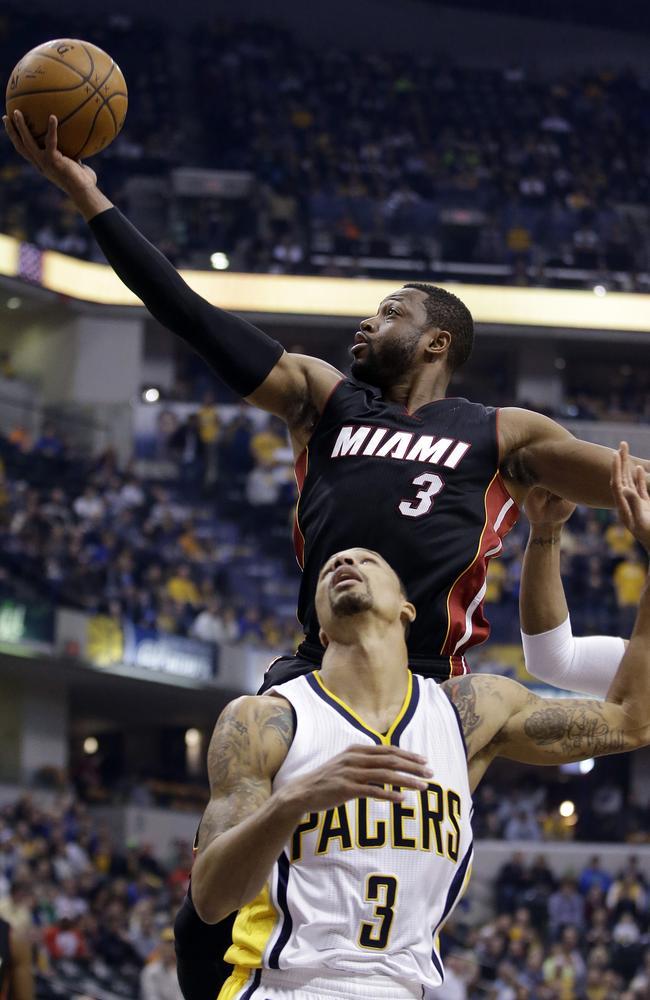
point(51, 137)
point(641, 482)
point(14, 135)
point(390, 776)
point(626, 466)
point(361, 791)
point(29, 142)
point(615, 476)
point(395, 763)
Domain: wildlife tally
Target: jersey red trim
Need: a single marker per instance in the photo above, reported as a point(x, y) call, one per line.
point(300, 472)
point(466, 622)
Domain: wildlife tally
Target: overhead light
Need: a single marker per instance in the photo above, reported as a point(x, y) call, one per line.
point(192, 738)
point(586, 766)
point(567, 808)
point(600, 290)
point(560, 364)
point(91, 745)
point(220, 261)
point(151, 394)
point(14, 302)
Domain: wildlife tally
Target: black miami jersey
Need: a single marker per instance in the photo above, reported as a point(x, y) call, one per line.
point(423, 489)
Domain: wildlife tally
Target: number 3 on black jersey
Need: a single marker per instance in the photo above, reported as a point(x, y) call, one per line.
point(433, 485)
point(381, 890)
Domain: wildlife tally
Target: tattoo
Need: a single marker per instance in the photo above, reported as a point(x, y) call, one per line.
point(575, 730)
point(462, 695)
point(246, 748)
point(544, 542)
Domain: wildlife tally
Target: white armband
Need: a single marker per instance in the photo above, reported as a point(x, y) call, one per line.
point(586, 665)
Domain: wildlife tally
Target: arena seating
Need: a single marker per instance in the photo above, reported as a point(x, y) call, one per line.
point(418, 161)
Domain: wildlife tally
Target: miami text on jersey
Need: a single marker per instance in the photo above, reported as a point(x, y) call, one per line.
point(424, 821)
point(366, 439)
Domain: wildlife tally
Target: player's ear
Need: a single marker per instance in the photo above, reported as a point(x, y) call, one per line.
point(324, 641)
point(438, 344)
point(408, 613)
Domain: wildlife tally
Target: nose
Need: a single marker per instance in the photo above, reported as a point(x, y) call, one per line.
point(343, 561)
point(366, 326)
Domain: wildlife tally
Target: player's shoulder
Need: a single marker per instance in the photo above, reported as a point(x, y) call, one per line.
point(269, 709)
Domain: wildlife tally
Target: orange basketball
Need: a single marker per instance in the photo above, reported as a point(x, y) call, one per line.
point(78, 83)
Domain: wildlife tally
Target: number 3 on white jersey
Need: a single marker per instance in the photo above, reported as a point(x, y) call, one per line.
point(433, 485)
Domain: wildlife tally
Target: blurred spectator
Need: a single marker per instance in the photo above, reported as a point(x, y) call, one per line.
point(211, 625)
point(158, 979)
point(565, 908)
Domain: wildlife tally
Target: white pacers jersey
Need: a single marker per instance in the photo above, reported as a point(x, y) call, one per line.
point(363, 889)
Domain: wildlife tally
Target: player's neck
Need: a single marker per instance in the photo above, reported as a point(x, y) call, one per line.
point(424, 385)
point(369, 673)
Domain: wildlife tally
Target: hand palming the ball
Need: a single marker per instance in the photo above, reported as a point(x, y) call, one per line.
point(69, 175)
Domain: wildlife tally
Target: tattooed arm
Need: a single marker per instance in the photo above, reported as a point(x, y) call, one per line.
point(501, 718)
point(246, 825)
point(242, 831)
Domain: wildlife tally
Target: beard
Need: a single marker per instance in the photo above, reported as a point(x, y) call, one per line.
point(350, 603)
point(384, 367)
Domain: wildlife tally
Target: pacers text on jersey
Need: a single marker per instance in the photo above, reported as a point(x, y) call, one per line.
point(365, 439)
point(424, 821)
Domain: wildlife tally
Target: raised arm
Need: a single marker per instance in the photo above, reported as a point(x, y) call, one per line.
point(254, 365)
point(537, 451)
point(502, 718)
point(246, 825)
point(552, 653)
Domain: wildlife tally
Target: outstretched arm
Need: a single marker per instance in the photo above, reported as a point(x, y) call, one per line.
point(586, 665)
point(247, 825)
point(537, 451)
point(294, 387)
point(501, 718)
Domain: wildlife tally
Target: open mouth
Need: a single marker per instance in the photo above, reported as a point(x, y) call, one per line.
point(345, 576)
point(360, 342)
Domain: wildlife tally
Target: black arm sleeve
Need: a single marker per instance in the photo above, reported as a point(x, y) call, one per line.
point(240, 353)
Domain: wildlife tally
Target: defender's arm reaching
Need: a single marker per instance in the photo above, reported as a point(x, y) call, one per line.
point(587, 664)
point(500, 718)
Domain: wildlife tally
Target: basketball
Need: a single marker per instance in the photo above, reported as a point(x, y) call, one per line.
point(77, 82)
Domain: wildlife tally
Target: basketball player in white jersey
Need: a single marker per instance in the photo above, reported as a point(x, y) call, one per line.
point(339, 819)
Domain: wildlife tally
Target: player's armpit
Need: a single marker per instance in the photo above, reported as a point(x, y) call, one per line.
point(249, 743)
point(297, 390)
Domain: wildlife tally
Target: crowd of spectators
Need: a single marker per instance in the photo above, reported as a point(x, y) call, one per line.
point(590, 804)
point(177, 559)
point(581, 937)
point(358, 156)
point(98, 915)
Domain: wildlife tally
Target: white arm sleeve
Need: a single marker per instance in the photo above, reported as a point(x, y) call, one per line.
point(585, 665)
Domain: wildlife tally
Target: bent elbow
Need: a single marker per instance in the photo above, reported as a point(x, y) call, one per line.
point(209, 909)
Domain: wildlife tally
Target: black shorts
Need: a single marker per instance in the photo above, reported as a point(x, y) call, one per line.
point(306, 659)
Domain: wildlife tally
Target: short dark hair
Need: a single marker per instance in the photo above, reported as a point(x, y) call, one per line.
point(445, 311)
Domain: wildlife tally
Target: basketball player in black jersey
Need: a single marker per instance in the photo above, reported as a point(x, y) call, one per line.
point(384, 460)
point(16, 975)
